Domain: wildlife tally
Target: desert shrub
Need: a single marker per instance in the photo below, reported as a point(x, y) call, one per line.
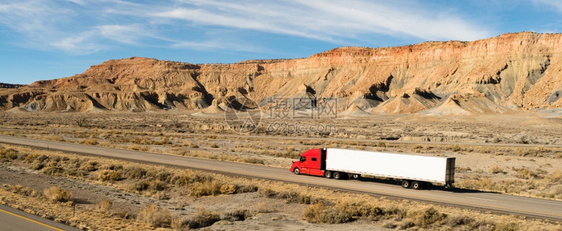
point(267, 192)
point(188, 177)
point(381, 144)
point(228, 189)
point(555, 177)
point(56, 194)
point(203, 218)
point(367, 210)
point(320, 213)
point(76, 172)
point(115, 167)
point(506, 227)
point(135, 172)
point(141, 148)
point(456, 148)
point(426, 217)
point(140, 185)
point(190, 144)
point(30, 158)
point(290, 196)
point(213, 145)
point(245, 188)
point(525, 173)
point(161, 195)
point(9, 154)
point(156, 185)
point(155, 216)
point(199, 189)
point(555, 192)
point(53, 171)
point(160, 173)
point(109, 175)
point(495, 169)
point(90, 141)
point(37, 165)
point(22, 156)
point(90, 166)
point(21, 190)
point(459, 220)
point(105, 205)
point(253, 160)
point(395, 211)
point(42, 158)
point(237, 215)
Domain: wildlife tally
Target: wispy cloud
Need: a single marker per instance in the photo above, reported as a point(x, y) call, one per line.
point(29, 16)
point(553, 3)
point(127, 34)
point(81, 43)
point(83, 27)
point(327, 20)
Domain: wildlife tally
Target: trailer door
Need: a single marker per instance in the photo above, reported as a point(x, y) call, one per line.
point(450, 172)
point(323, 159)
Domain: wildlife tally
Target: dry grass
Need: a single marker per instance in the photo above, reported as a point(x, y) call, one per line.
point(105, 206)
point(495, 169)
point(56, 194)
point(155, 216)
point(330, 206)
point(320, 213)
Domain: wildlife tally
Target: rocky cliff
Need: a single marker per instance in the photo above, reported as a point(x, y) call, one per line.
point(511, 72)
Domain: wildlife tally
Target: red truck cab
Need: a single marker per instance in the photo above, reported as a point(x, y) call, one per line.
point(311, 162)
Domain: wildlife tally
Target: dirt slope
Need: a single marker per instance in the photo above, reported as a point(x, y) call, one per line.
point(511, 72)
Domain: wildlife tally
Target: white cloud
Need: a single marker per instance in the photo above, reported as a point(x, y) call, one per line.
point(29, 16)
point(78, 44)
point(127, 34)
point(554, 3)
point(327, 20)
point(79, 26)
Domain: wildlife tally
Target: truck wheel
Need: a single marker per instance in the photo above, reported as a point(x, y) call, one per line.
point(328, 174)
point(297, 171)
point(405, 184)
point(356, 176)
point(416, 185)
point(337, 175)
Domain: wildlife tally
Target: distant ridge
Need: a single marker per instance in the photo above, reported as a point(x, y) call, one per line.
point(9, 85)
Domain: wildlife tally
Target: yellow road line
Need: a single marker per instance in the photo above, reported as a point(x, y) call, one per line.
point(25, 218)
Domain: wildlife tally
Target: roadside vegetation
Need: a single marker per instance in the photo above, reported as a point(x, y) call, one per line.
point(163, 184)
point(518, 170)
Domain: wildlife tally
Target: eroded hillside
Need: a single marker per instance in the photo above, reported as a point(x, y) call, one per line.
point(511, 72)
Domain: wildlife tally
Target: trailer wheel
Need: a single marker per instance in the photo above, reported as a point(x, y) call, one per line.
point(297, 171)
point(416, 185)
point(328, 174)
point(405, 183)
point(356, 176)
point(337, 175)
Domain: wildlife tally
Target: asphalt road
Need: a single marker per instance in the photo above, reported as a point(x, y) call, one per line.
point(16, 220)
point(505, 204)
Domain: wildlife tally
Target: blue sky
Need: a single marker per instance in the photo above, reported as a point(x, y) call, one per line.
point(48, 39)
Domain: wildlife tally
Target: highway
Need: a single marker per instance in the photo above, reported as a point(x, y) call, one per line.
point(495, 202)
point(16, 220)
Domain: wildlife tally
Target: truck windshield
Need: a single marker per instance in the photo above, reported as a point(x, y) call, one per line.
point(303, 159)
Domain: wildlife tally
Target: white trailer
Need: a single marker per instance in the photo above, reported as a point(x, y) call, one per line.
point(413, 170)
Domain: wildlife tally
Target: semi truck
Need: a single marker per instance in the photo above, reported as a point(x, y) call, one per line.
point(413, 171)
